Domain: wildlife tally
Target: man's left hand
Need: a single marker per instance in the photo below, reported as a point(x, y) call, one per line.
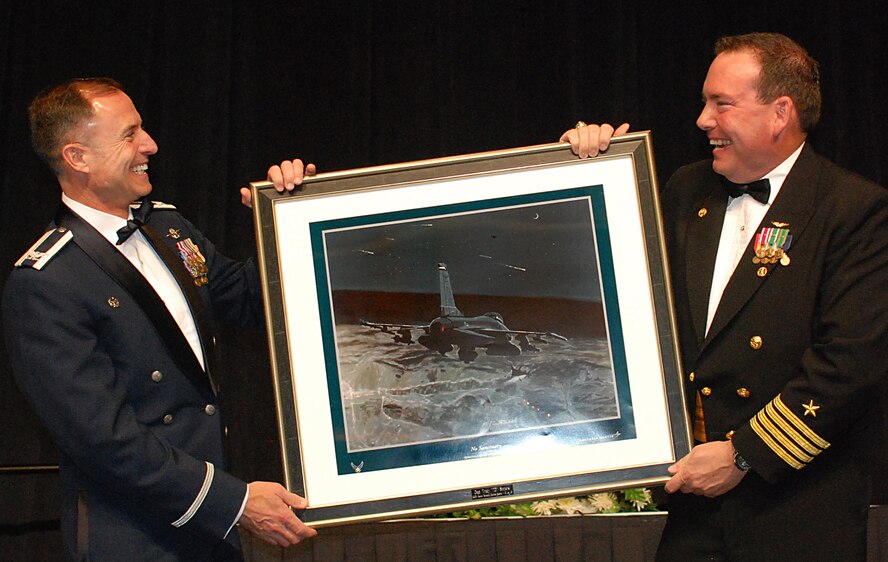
point(288, 175)
point(708, 470)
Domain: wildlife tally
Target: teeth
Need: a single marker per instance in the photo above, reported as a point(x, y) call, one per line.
point(719, 143)
point(140, 169)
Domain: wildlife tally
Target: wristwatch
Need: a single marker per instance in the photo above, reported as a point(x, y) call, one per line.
point(740, 462)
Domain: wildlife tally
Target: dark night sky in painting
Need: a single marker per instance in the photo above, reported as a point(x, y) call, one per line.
point(536, 250)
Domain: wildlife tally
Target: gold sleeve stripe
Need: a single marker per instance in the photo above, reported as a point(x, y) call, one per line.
point(778, 450)
point(788, 444)
point(798, 423)
point(799, 439)
point(786, 434)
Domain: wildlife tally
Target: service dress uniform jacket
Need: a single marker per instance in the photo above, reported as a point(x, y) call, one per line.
point(136, 418)
point(793, 362)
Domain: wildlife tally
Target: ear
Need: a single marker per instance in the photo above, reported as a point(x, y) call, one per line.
point(72, 155)
point(784, 114)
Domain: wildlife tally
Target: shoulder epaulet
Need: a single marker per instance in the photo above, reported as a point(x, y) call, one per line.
point(45, 248)
point(156, 206)
point(161, 206)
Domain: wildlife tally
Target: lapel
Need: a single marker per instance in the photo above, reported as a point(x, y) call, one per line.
point(186, 283)
point(116, 266)
point(701, 247)
point(793, 206)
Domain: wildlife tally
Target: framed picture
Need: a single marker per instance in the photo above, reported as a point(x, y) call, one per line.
point(471, 330)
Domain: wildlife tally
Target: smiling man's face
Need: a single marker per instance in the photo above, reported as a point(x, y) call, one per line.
point(741, 129)
point(116, 150)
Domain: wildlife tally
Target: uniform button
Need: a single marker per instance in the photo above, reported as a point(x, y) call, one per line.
point(157, 376)
point(729, 435)
point(691, 377)
point(210, 409)
point(743, 392)
point(755, 342)
point(705, 391)
point(702, 212)
point(762, 271)
point(168, 419)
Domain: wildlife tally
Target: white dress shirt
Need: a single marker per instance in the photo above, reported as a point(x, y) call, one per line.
point(742, 219)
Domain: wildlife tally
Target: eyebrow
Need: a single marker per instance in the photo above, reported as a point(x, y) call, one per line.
point(130, 129)
point(714, 96)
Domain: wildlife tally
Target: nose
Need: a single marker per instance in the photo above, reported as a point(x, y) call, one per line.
point(705, 120)
point(148, 146)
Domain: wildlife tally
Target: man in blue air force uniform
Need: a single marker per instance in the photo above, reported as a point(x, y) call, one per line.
point(109, 323)
point(779, 286)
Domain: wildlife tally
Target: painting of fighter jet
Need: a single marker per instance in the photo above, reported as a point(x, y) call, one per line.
point(454, 330)
point(528, 352)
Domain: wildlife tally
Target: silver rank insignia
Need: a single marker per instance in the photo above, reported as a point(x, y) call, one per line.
point(45, 248)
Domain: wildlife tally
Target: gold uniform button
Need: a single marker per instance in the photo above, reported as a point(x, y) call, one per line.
point(743, 392)
point(729, 435)
point(157, 376)
point(702, 212)
point(691, 377)
point(762, 271)
point(755, 342)
point(168, 419)
point(705, 391)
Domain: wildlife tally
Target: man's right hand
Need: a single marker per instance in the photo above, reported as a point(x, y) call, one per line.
point(268, 515)
point(588, 140)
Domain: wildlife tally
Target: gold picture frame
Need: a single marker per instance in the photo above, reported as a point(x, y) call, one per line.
point(471, 330)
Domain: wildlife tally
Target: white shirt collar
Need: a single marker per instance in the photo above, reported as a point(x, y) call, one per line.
point(777, 176)
point(105, 223)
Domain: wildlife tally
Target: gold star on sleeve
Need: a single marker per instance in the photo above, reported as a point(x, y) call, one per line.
point(810, 409)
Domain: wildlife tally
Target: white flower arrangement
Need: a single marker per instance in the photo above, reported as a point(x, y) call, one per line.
point(623, 501)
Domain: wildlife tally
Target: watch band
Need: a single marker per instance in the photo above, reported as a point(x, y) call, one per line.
point(740, 462)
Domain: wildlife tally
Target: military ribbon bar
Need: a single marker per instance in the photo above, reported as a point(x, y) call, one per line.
point(771, 245)
point(194, 261)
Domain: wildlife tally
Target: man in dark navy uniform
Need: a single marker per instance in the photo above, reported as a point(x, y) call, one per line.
point(779, 264)
point(109, 324)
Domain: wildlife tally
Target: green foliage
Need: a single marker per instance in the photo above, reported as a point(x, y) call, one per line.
point(638, 499)
point(511, 510)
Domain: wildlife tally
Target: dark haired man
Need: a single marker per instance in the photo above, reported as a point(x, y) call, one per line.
point(779, 263)
point(109, 324)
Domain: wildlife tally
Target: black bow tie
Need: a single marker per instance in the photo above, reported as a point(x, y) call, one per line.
point(140, 217)
point(759, 190)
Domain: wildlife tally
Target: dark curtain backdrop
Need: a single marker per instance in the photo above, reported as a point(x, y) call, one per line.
point(227, 88)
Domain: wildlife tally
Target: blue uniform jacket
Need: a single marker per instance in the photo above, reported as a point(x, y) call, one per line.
point(137, 422)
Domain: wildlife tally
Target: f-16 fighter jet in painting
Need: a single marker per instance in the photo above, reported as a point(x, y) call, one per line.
point(452, 329)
